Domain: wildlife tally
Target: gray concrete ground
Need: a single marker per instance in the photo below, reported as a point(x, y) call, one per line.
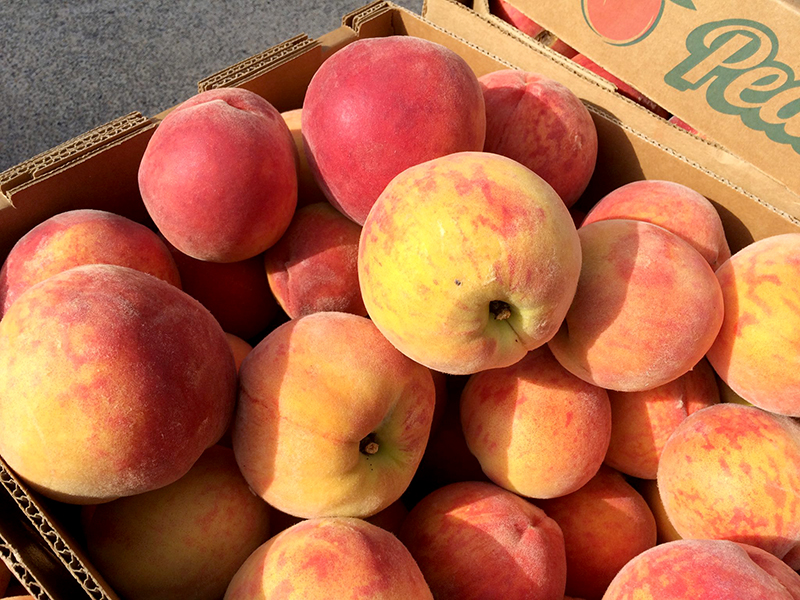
point(68, 66)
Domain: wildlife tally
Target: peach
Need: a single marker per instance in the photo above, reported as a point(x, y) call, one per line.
point(468, 261)
point(390, 518)
point(342, 558)
point(733, 472)
point(313, 267)
point(112, 383)
point(542, 124)
point(82, 237)
point(605, 524)
point(648, 488)
point(646, 310)
point(623, 88)
point(536, 429)
point(709, 569)
point(239, 348)
point(475, 540)
point(185, 540)
point(332, 420)
point(757, 352)
point(643, 421)
point(381, 105)
point(673, 206)
point(513, 16)
point(308, 191)
point(219, 177)
point(236, 293)
point(678, 122)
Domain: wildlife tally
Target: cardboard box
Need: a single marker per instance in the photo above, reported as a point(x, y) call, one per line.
point(38, 538)
point(730, 69)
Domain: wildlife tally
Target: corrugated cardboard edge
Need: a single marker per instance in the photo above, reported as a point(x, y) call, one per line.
point(444, 11)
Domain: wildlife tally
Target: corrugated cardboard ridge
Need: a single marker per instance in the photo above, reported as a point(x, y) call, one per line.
point(356, 18)
point(55, 539)
point(20, 571)
point(68, 152)
point(249, 67)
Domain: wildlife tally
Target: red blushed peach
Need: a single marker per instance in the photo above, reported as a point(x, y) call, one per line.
point(185, 540)
point(513, 16)
point(236, 293)
point(536, 429)
point(757, 352)
point(381, 105)
point(643, 421)
point(678, 122)
point(540, 123)
point(673, 206)
point(605, 524)
point(82, 237)
point(318, 559)
point(308, 191)
point(475, 540)
point(390, 519)
point(623, 88)
point(313, 266)
point(733, 472)
point(332, 420)
point(112, 383)
point(219, 177)
point(646, 310)
point(709, 569)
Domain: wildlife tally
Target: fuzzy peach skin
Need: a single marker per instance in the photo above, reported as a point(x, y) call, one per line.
point(643, 421)
point(468, 262)
point(381, 105)
point(542, 124)
point(236, 293)
point(536, 429)
point(757, 352)
point(331, 419)
point(335, 557)
point(112, 383)
point(185, 540)
point(390, 518)
point(513, 16)
point(308, 191)
point(82, 237)
point(605, 524)
point(647, 308)
point(219, 177)
point(733, 472)
point(477, 541)
point(648, 488)
point(708, 569)
point(239, 348)
point(673, 206)
point(313, 267)
point(623, 88)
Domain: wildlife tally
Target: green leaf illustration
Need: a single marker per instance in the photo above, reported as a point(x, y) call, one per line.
point(685, 4)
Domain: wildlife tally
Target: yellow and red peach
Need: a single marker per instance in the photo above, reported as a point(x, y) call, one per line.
point(308, 191)
point(332, 420)
point(185, 540)
point(313, 267)
point(82, 237)
point(239, 348)
point(646, 310)
point(513, 16)
point(218, 176)
point(733, 472)
point(757, 352)
point(236, 293)
point(643, 421)
point(713, 569)
point(475, 540)
point(648, 488)
point(673, 206)
point(605, 524)
point(112, 383)
point(317, 559)
point(381, 105)
point(542, 124)
point(468, 261)
point(536, 429)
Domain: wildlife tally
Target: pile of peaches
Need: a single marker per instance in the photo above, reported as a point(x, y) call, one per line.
point(363, 351)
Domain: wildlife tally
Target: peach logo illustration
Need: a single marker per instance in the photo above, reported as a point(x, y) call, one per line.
point(626, 22)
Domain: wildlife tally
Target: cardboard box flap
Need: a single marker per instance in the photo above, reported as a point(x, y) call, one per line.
point(92, 170)
point(356, 19)
point(730, 69)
